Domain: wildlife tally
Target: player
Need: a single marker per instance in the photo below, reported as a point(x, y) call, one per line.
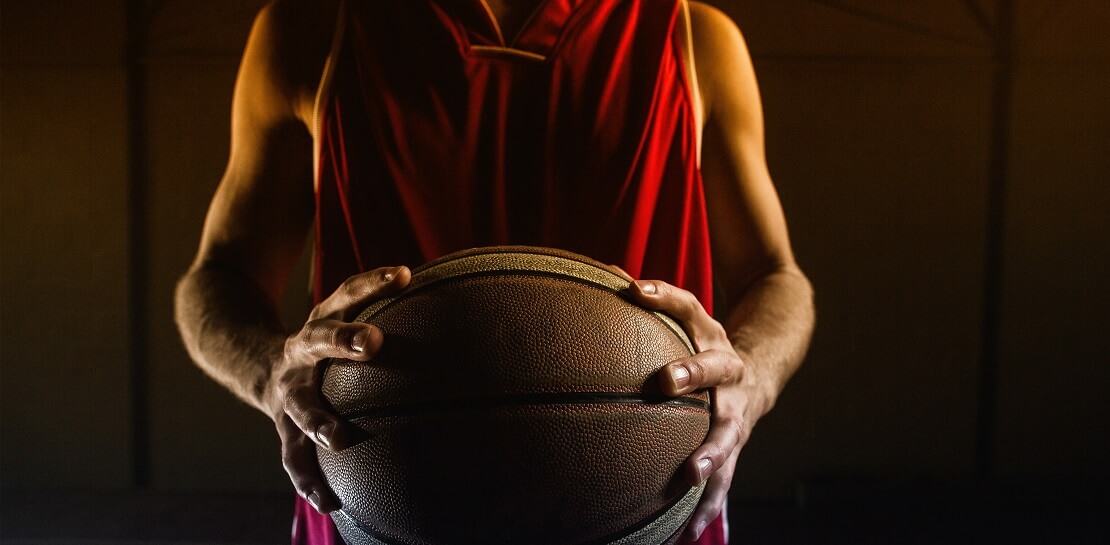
point(626, 130)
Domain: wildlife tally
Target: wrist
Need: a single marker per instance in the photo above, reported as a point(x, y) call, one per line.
point(271, 397)
point(762, 385)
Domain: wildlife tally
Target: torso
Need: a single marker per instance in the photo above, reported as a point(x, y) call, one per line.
point(579, 132)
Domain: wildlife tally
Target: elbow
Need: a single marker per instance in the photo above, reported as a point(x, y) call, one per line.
point(187, 311)
point(782, 276)
point(778, 268)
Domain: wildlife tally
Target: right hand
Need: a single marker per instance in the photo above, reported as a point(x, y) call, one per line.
point(293, 393)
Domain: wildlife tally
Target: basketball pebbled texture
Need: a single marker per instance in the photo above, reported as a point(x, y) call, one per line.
point(514, 401)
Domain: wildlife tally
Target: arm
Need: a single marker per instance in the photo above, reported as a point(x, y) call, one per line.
point(226, 304)
point(770, 301)
point(749, 358)
point(256, 223)
point(253, 232)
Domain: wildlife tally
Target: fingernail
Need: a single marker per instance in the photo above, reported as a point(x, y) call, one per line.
point(704, 465)
point(314, 499)
point(323, 434)
point(645, 287)
point(391, 274)
point(358, 340)
point(680, 376)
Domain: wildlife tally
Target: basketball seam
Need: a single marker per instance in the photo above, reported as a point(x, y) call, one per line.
point(520, 250)
point(532, 251)
point(690, 495)
point(365, 316)
point(526, 400)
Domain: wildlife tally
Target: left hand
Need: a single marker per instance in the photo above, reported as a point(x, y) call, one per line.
point(739, 394)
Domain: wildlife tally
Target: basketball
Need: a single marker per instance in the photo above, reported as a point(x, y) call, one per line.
point(514, 402)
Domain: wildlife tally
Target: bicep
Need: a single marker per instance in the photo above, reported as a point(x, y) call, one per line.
point(747, 227)
point(258, 218)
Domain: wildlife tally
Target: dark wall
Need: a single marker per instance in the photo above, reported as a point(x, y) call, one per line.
point(64, 396)
point(944, 181)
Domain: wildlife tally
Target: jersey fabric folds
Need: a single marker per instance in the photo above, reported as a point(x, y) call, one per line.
point(436, 132)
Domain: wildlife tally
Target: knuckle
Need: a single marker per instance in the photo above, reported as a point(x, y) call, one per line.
point(320, 339)
point(723, 364)
point(338, 337)
point(284, 424)
point(728, 434)
point(735, 368)
point(734, 436)
point(352, 288)
point(295, 394)
point(310, 416)
point(298, 402)
point(716, 454)
point(717, 330)
point(289, 399)
point(291, 404)
point(673, 296)
point(715, 366)
point(287, 453)
point(310, 332)
point(713, 508)
point(356, 288)
point(291, 462)
point(304, 485)
point(696, 367)
point(292, 346)
point(690, 304)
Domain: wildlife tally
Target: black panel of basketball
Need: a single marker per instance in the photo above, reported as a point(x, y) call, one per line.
point(513, 403)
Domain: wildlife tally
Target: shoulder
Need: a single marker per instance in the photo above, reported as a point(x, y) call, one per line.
point(726, 77)
point(717, 40)
point(287, 48)
point(711, 23)
point(709, 13)
point(298, 23)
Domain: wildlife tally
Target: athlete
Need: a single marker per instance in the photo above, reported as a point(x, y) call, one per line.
point(630, 131)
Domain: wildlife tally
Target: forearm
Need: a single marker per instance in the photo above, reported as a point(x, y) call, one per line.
point(230, 329)
point(770, 327)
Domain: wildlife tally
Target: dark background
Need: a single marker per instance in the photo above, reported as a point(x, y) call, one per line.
point(943, 165)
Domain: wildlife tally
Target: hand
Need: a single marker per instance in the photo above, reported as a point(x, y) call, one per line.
point(739, 399)
point(293, 394)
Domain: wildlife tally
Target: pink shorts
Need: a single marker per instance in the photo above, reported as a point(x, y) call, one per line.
point(312, 528)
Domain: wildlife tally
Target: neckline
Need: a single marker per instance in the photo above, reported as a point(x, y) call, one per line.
point(479, 32)
point(494, 22)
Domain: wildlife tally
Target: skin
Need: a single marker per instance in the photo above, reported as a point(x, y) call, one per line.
point(226, 304)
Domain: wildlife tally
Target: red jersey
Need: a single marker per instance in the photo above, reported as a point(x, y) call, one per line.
point(436, 133)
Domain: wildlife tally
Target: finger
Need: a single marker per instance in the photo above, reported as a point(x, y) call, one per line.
point(659, 295)
point(712, 500)
point(359, 290)
point(323, 339)
point(706, 369)
point(298, 457)
point(726, 436)
point(621, 272)
point(305, 407)
point(681, 305)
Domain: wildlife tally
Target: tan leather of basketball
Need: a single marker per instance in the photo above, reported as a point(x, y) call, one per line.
point(514, 401)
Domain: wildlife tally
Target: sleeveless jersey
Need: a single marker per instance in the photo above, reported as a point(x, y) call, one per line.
point(436, 132)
